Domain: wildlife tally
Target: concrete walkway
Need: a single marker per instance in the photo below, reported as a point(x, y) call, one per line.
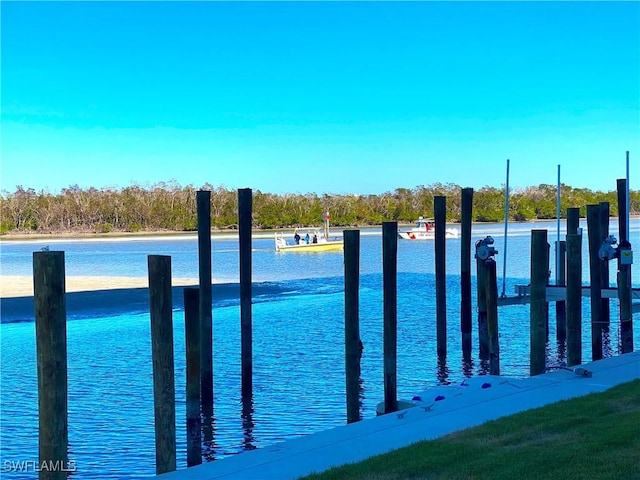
point(472, 403)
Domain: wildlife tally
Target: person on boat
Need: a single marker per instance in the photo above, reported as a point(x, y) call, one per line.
point(306, 239)
point(315, 238)
point(296, 237)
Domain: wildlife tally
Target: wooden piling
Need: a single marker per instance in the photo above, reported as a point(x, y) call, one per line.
point(573, 220)
point(538, 307)
point(51, 346)
point(245, 206)
point(205, 309)
point(352, 345)
point(440, 212)
point(192, 349)
point(595, 242)
point(492, 317)
point(624, 272)
point(160, 307)
point(483, 329)
point(604, 266)
point(390, 310)
point(561, 306)
point(465, 271)
point(574, 299)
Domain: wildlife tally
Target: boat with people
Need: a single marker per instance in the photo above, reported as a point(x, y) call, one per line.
point(425, 229)
point(309, 240)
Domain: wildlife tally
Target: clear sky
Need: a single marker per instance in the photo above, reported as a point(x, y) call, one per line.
point(324, 97)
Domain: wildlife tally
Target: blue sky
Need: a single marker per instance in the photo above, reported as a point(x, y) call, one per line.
point(325, 97)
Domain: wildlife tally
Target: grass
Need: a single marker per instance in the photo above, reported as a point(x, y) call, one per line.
point(592, 437)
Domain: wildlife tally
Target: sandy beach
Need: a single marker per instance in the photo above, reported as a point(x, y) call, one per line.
point(12, 286)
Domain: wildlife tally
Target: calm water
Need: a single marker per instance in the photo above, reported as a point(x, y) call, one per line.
point(298, 336)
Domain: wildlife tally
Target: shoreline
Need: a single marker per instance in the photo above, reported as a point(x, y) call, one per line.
point(13, 286)
point(226, 233)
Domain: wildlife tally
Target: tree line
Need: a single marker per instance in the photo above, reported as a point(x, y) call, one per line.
point(167, 206)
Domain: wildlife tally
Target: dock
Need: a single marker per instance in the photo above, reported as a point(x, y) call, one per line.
point(559, 293)
point(426, 420)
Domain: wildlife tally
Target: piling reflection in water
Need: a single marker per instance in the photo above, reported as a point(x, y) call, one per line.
point(247, 423)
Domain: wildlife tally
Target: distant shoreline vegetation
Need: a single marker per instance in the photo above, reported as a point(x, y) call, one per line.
point(172, 208)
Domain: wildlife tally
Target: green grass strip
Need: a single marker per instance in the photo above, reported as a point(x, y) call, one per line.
point(592, 437)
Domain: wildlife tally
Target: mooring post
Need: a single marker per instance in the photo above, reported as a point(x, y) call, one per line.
point(352, 344)
point(390, 310)
point(561, 306)
point(51, 345)
point(440, 213)
point(160, 307)
point(465, 271)
point(245, 208)
point(624, 271)
point(574, 299)
point(538, 307)
point(205, 309)
point(492, 317)
point(573, 220)
point(604, 266)
point(595, 242)
point(483, 329)
point(192, 349)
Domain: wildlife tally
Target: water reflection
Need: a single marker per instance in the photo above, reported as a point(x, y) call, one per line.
point(248, 441)
point(467, 366)
point(360, 398)
point(483, 367)
point(442, 374)
point(208, 428)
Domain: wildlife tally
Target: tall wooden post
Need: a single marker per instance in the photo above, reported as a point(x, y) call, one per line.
point(492, 317)
point(573, 220)
point(203, 204)
point(483, 329)
point(465, 271)
point(192, 349)
point(51, 345)
point(574, 299)
point(561, 306)
point(595, 242)
point(245, 206)
point(390, 308)
point(538, 307)
point(164, 391)
point(440, 212)
point(624, 271)
point(604, 266)
point(352, 344)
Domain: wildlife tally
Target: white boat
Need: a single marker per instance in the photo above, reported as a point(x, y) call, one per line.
point(425, 229)
point(309, 240)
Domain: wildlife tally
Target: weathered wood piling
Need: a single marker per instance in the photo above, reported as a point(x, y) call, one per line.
point(245, 205)
point(574, 299)
point(595, 241)
point(51, 347)
point(440, 212)
point(492, 316)
point(538, 307)
point(466, 322)
point(160, 307)
point(624, 270)
point(203, 206)
point(352, 343)
point(192, 349)
point(390, 313)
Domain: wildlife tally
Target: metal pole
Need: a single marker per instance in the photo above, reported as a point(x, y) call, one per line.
point(506, 223)
point(558, 229)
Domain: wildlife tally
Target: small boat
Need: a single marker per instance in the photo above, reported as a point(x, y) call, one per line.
point(425, 229)
point(309, 240)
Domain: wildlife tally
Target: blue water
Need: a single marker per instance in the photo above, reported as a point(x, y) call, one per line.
point(298, 345)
